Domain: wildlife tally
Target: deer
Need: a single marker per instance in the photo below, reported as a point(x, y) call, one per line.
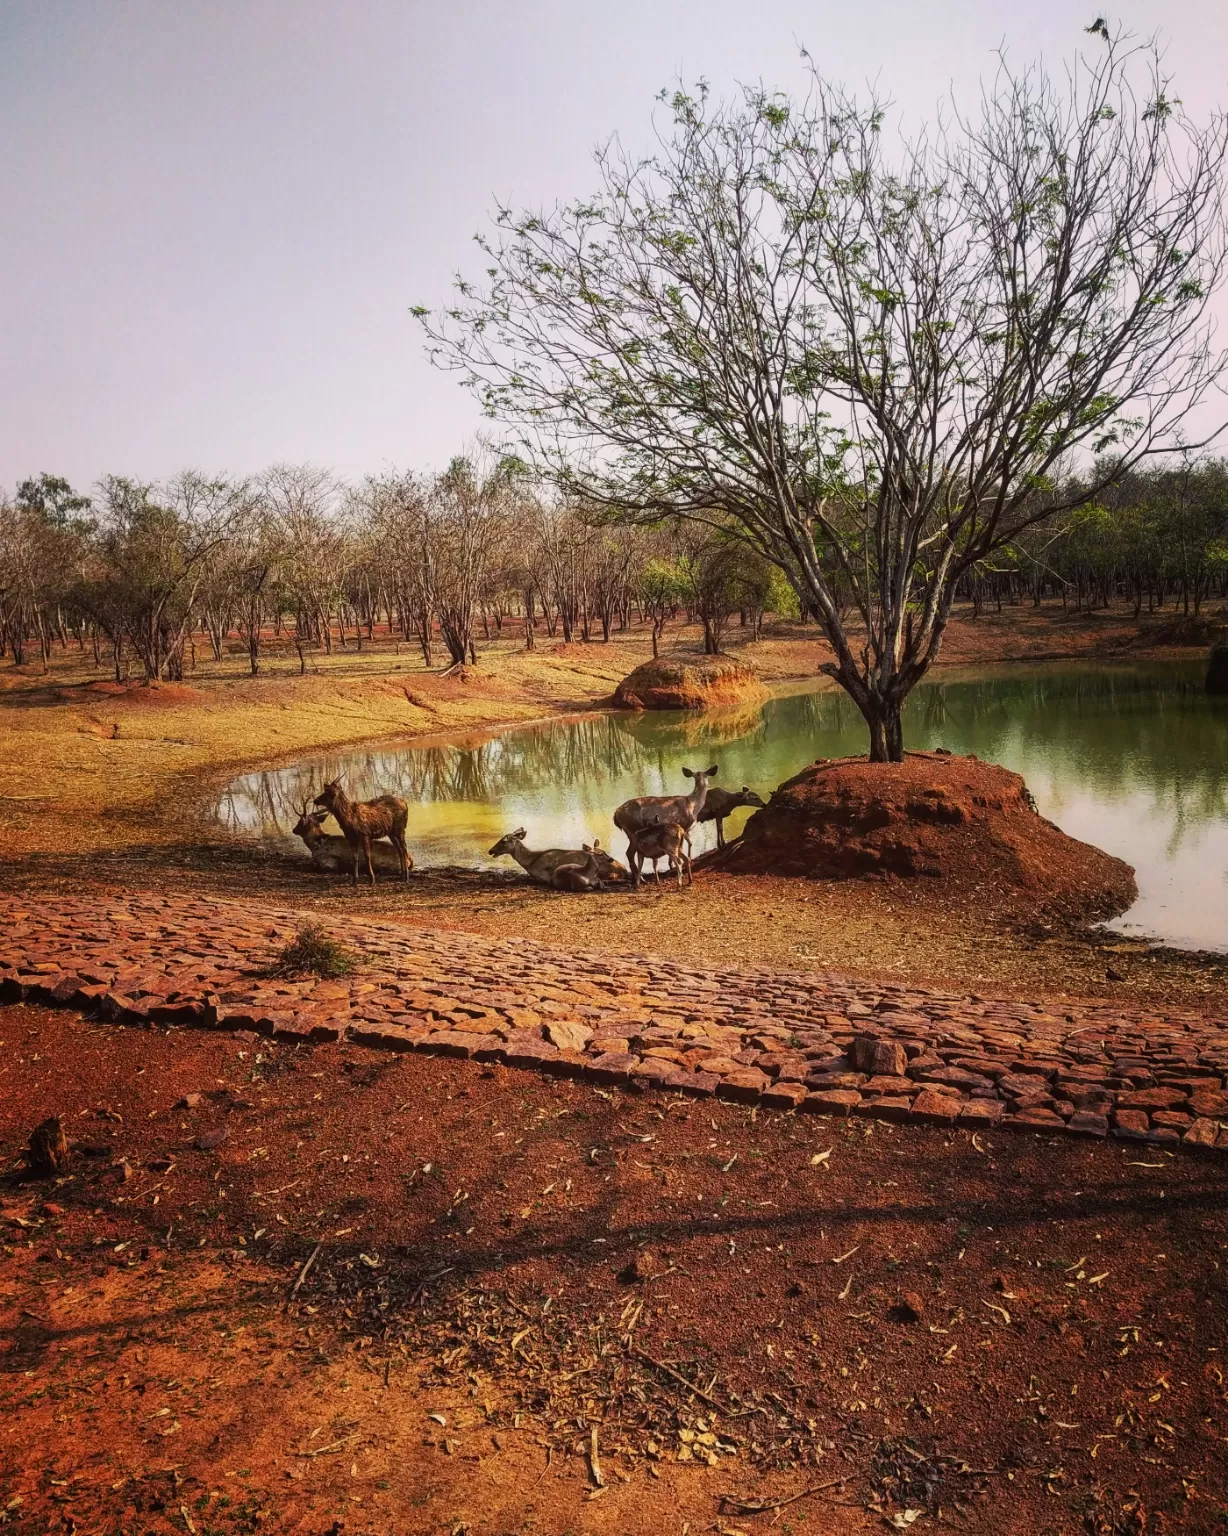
point(723, 802)
point(362, 821)
point(668, 841)
point(562, 869)
point(659, 810)
point(331, 854)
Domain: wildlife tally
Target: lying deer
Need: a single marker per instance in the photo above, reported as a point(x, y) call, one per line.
point(661, 810)
point(723, 802)
point(668, 841)
point(563, 869)
point(362, 821)
point(331, 854)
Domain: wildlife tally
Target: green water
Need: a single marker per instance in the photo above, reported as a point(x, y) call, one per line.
point(1132, 759)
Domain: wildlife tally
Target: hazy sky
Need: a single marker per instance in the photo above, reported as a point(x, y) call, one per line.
point(216, 213)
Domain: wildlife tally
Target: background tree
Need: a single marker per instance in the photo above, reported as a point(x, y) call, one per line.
point(877, 360)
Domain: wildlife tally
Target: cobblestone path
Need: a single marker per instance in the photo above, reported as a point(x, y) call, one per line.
point(810, 1041)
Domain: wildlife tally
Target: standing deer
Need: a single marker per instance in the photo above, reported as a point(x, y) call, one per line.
point(563, 869)
point(659, 810)
point(723, 802)
point(668, 841)
point(331, 854)
point(364, 820)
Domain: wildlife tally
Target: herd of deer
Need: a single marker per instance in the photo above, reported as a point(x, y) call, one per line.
point(656, 826)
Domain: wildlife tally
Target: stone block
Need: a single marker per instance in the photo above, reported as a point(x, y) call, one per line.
point(981, 1112)
point(1202, 1133)
point(1131, 1122)
point(566, 1035)
point(382, 1037)
point(895, 1108)
point(783, 1095)
point(1084, 1122)
point(697, 1085)
point(744, 1086)
point(880, 1058)
point(931, 1107)
point(613, 1068)
point(832, 1101)
point(1152, 1098)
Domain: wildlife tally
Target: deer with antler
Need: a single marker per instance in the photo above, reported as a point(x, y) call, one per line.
point(362, 821)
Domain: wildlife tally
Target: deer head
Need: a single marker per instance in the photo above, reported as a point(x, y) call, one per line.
point(700, 774)
point(507, 843)
point(329, 795)
point(749, 797)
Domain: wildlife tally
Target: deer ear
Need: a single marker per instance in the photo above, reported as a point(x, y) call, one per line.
point(519, 832)
point(712, 771)
point(596, 845)
point(688, 773)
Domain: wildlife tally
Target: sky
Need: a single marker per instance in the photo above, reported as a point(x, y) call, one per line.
point(216, 214)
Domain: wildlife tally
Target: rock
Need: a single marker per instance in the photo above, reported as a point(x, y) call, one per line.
point(1152, 1098)
point(567, 1036)
point(882, 1058)
point(931, 1107)
point(978, 1112)
point(51, 1208)
point(1132, 1122)
point(189, 1101)
point(1085, 1123)
point(698, 682)
point(908, 1309)
point(1201, 1134)
point(1208, 1102)
point(644, 1266)
point(834, 1101)
point(208, 1140)
point(47, 1153)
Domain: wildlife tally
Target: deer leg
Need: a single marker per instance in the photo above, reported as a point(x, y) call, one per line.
point(720, 833)
point(366, 848)
point(402, 853)
point(354, 862)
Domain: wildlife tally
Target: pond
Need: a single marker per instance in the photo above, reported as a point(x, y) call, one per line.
point(1132, 759)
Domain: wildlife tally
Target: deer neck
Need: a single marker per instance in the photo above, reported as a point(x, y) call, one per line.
point(523, 857)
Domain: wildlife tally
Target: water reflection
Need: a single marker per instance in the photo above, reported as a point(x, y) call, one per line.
point(1134, 760)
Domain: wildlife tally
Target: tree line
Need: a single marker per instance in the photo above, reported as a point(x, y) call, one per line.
point(149, 574)
point(146, 575)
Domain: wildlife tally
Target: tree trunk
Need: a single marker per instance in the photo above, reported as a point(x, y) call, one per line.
point(886, 731)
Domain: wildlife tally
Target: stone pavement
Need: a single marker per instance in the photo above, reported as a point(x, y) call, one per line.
point(811, 1041)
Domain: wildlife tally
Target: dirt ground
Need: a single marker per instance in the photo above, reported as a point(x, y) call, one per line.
point(993, 1333)
point(501, 1275)
point(102, 808)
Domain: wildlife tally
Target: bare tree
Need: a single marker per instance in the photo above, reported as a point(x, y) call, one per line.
point(878, 361)
point(467, 515)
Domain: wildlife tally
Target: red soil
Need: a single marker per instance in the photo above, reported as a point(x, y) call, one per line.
point(701, 682)
point(1011, 1330)
point(956, 819)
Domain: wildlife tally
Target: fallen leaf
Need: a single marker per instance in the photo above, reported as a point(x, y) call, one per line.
point(820, 1157)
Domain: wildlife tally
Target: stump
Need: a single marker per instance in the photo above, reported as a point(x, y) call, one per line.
point(47, 1153)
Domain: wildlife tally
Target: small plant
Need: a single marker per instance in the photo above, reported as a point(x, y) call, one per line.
point(312, 950)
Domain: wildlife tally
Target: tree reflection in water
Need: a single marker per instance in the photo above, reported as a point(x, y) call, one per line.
point(1134, 759)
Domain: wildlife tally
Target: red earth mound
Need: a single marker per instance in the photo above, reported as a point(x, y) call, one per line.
point(698, 682)
point(955, 819)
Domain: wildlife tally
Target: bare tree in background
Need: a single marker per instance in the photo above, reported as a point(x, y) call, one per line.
point(879, 361)
point(468, 512)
